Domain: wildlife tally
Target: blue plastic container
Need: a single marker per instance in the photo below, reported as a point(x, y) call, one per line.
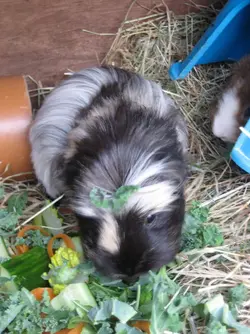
point(227, 39)
point(241, 151)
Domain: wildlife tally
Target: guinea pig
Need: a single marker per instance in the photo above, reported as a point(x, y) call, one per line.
point(232, 108)
point(104, 128)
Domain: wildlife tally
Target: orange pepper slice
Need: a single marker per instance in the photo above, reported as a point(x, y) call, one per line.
point(23, 248)
point(67, 240)
point(76, 330)
point(142, 325)
point(38, 293)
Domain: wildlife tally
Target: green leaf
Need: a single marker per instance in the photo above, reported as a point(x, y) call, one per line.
point(122, 195)
point(51, 219)
point(126, 329)
point(169, 304)
point(216, 327)
point(212, 236)
point(238, 295)
point(198, 212)
point(146, 294)
point(101, 199)
point(4, 280)
point(114, 201)
point(8, 222)
point(105, 329)
point(17, 203)
point(181, 303)
point(195, 235)
point(36, 238)
point(219, 310)
point(229, 320)
point(122, 311)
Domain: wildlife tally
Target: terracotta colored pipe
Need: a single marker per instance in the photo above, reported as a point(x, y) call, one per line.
point(15, 119)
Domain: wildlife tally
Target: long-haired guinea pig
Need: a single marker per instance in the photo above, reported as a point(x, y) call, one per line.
point(232, 109)
point(106, 128)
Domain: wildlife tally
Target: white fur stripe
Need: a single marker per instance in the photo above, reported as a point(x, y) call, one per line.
point(152, 198)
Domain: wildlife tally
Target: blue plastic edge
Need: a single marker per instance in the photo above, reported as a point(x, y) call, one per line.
point(237, 155)
point(179, 70)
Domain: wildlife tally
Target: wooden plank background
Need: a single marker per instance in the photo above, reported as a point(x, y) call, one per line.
point(43, 38)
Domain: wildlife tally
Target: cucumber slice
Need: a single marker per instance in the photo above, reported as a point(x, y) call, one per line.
point(10, 286)
point(28, 268)
point(4, 254)
point(52, 221)
point(78, 292)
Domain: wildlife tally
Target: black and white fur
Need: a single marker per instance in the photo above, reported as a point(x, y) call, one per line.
point(105, 127)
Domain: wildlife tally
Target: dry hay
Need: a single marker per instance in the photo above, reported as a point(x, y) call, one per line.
point(148, 46)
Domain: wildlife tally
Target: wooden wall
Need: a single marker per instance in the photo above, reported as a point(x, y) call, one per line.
point(44, 37)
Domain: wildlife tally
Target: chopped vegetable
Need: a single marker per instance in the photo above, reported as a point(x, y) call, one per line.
point(63, 268)
point(237, 296)
point(142, 325)
point(63, 331)
point(72, 294)
point(168, 318)
point(77, 330)
point(195, 235)
point(35, 238)
point(28, 268)
point(9, 216)
point(24, 248)
point(219, 311)
point(4, 254)
point(112, 308)
point(7, 284)
point(67, 240)
point(198, 212)
point(38, 293)
point(114, 201)
point(51, 219)
point(22, 313)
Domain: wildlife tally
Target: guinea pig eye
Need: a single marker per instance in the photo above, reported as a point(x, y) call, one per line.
point(151, 218)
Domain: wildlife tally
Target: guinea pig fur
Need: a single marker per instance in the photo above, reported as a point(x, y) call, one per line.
point(105, 128)
point(232, 109)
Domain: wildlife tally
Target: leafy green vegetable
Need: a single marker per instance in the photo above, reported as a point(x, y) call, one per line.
point(238, 294)
point(218, 310)
point(36, 238)
point(8, 222)
point(17, 203)
point(216, 327)
point(122, 311)
point(212, 236)
point(4, 280)
point(125, 329)
point(199, 213)
point(9, 216)
point(21, 313)
point(114, 201)
point(195, 235)
point(105, 329)
point(51, 219)
point(169, 306)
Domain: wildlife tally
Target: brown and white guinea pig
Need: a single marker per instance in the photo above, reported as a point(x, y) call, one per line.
point(232, 109)
point(105, 128)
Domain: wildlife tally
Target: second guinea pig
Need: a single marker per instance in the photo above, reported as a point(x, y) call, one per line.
point(232, 108)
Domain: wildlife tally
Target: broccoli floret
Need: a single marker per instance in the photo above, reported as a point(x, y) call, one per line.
point(63, 269)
